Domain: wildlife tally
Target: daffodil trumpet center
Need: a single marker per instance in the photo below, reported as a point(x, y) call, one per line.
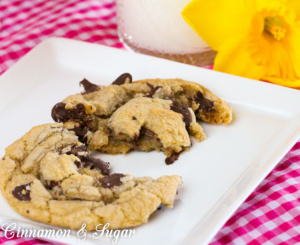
point(275, 27)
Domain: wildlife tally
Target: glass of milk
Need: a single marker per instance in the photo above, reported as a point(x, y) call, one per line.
point(156, 27)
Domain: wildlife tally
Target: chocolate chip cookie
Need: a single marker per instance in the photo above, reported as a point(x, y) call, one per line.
point(151, 114)
point(48, 175)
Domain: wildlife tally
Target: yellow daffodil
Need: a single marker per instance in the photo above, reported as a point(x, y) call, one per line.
point(259, 39)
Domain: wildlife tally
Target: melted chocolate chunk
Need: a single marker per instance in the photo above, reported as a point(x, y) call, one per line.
point(135, 138)
point(143, 131)
point(111, 180)
point(22, 192)
point(160, 207)
point(81, 132)
point(205, 104)
point(88, 161)
point(79, 111)
point(78, 164)
point(124, 78)
point(148, 132)
point(76, 149)
point(104, 116)
point(172, 159)
point(187, 117)
point(152, 90)
point(51, 184)
point(60, 114)
point(88, 86)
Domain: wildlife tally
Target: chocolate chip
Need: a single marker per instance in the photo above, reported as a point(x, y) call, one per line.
point(111, 180)
point(81, 132)
point(187, 117)
point(77, 149)
point(60, 114)
point(51, 184)
point(22, 192)
point(152, 90)
point(88, 86)
point(134, 118)
point(124, 78)
point(205, 104)
point(172, 159)
point(88, 161)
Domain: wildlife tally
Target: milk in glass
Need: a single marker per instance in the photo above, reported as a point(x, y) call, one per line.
point(156, 27)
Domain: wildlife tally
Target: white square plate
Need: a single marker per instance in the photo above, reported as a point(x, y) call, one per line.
point(218, 173)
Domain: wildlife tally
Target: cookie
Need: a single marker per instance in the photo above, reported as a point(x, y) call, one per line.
point(151, 114)
point(147, 124)
point(207, 106)
point(48, 175)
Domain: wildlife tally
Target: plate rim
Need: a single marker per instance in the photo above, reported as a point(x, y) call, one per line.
point(274, 158)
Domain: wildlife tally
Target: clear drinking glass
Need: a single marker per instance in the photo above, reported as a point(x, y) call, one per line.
point(156, 27)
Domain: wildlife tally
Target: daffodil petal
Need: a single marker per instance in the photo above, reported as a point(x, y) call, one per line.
point(270, 5)
point(284, 56)
point(216, 20)
point(293, 47)
point(294, 5)
point(287, 83)
point(233, 58)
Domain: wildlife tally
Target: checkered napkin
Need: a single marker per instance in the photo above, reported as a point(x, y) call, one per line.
point(25, 23)
point(271, 215)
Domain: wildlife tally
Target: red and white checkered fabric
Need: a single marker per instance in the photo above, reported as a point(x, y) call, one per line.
point(271, 215)
point(26, 23)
